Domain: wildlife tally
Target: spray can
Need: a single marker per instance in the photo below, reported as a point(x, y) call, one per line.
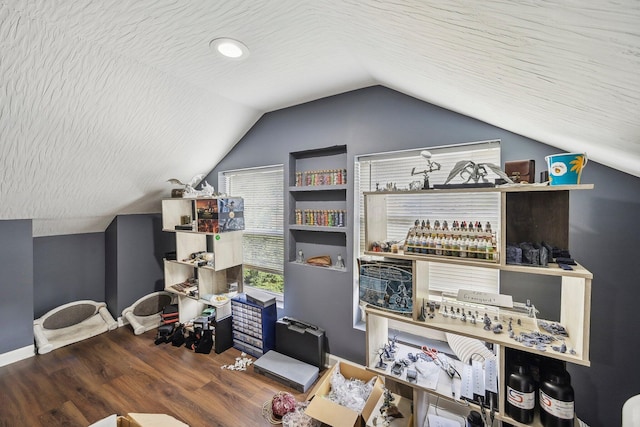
point(521, 394)
point(557, 405)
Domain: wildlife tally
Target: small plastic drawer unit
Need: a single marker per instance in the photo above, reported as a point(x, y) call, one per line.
point(253, 325)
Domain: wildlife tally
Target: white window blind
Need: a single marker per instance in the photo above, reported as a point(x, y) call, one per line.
point(262, 191)
point(389, 169)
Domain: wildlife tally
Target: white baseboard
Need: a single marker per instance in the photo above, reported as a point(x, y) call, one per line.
point(332, 360)
point(17, 355)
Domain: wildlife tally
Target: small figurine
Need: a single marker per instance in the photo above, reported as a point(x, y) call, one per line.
point(487, 322)
point(300, 257)
point(339, 262)
point(397, 368)
point(189, 187)
point(381, 364)
point(432, 166)
point(423, 315)
point(561, 349)
point(207, 190)
point(394, 343)
point(412, 376)
point(388, 399)
point(388, 353)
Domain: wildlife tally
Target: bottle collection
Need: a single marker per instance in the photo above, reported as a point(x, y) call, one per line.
point(547, 387)
point(321, 217)
point(461, 240)
point(321, 177)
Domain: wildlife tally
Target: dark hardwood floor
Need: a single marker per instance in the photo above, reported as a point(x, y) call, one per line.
point(118, 372)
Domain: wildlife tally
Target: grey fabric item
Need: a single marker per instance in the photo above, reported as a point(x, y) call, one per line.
point(69, 316)
point(152, 305)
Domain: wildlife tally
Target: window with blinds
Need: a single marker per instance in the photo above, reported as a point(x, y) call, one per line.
point(389, 170)
point(263, 238)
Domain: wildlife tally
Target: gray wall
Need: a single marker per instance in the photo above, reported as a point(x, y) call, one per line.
point(67, 268)
point(602, 235)
point(117, 266)
point(16, 285)
point(39, 274)
point(135, 246)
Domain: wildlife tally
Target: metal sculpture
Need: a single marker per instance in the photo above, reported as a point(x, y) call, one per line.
point(471, 171)
point(431, 165)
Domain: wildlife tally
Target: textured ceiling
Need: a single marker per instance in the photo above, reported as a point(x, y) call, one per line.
point(101, 102)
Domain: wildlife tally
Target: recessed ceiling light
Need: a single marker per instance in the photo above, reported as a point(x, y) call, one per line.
point(229, 48)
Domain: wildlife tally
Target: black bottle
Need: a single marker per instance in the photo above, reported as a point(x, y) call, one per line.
point(521, 394)
point(474, 419)
point(556, 399)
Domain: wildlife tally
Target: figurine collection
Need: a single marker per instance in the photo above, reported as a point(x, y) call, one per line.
point(521, 323)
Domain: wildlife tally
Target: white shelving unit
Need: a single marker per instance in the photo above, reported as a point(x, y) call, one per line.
point(528, 213)
point(224, 249)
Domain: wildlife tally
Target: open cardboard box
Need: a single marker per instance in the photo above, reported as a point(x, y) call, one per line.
point(333, 414)
point(139, 420)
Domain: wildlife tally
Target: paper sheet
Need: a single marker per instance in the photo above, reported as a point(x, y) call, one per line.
point(438, 421)
point(428, 374)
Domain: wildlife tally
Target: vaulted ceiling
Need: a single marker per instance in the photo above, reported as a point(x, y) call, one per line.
point(102, 101)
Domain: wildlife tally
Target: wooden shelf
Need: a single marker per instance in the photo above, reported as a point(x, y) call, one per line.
point(318, 228)
point(456, 326)
point(314, 188)
point(404, 407)
point(506, 188)
point(551, 270)
point(225, 248)
point(445, 386)
point(171, 230)
point(535, 423)
point(330, 268)
point(527, 213)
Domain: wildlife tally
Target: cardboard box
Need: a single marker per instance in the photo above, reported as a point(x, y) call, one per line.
point(330, 413)
point(149, 420)
point(139, 420)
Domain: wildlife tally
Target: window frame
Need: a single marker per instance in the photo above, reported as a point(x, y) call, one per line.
point(273, 228)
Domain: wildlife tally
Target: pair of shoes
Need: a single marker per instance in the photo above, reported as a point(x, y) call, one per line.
point(164, 334)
